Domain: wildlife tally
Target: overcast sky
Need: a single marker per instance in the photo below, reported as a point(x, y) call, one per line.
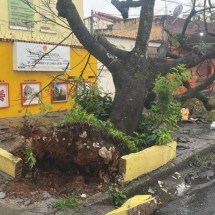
point(107, 7)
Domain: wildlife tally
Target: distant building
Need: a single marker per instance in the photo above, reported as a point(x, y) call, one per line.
point(99, 21)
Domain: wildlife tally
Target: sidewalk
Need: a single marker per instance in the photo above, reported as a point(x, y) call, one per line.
point(10, 126)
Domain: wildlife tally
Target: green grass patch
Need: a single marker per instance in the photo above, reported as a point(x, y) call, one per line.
point(63, 204)
point(201, 160)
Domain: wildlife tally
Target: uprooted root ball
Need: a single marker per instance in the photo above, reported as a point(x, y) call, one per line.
point(92, 150)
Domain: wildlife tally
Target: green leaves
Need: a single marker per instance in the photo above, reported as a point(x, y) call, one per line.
point(159, 123)
point(30, 157)
point(78, 114)
point(156, 126)
point(93, 100)
point(64, 204)
point(118, 194)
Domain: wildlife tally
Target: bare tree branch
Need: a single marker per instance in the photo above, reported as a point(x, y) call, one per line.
point(121, 54)
point(172, 55)
point(145, 25)
point(126, 4)
point(198, 55)
point(123, 6)
point(193, 12)
point(187, 20)
point(192, 92)
point(67, 9)
point(36, 9)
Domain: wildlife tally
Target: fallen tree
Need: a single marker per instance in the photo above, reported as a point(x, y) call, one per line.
point(133, 72)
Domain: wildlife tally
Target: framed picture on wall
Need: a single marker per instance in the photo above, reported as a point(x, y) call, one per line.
point(4, 95)
point(59, 92)
point(30, 93)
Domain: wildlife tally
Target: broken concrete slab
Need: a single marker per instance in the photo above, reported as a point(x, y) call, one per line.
point(139, 204)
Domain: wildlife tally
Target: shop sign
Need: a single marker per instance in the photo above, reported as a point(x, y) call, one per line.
point(40, 57)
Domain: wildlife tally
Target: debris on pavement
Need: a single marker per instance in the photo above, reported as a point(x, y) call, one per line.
point(2, 195)
point(150, 190)
point(212, 127)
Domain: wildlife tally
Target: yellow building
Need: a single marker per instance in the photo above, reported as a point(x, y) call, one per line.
point(30, 59)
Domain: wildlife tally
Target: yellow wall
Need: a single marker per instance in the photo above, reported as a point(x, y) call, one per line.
point(15, 78)
point(8, 35)
point(147, 160)
point(79, 6)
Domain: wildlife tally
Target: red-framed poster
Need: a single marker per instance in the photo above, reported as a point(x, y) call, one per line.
point(59, 92)
point(30, 93)
point(4, 95)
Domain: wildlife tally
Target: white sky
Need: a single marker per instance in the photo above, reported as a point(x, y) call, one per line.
point(107, 7)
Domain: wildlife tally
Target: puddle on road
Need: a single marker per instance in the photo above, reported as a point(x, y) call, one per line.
point(167, 193)
point(200, 170)
point(174, 187)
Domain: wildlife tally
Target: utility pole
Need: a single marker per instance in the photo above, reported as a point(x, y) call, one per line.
point(91, 22)
point(165, 8)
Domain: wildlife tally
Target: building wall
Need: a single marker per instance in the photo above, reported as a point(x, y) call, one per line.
point(98, 23)
point(42, 30)
point(129, 28)
point(79, 6)
point(42, 34)
point(14, 79)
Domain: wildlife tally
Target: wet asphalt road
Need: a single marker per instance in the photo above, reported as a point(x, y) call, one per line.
point(201, 202)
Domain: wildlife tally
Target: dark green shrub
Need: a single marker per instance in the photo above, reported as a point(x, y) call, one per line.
point(160, 121)
point(118, 195)
point(94, 100)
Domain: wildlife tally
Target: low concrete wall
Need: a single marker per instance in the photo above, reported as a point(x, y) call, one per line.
point(140, 204)
point(10, 164)
point(137, 164)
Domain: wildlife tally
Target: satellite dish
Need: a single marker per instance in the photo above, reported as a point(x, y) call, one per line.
point(177, 11)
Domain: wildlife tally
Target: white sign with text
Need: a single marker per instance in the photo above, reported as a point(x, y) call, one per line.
point(40, 57)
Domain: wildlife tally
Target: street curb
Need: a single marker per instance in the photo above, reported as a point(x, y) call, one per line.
point(10, 164)
point(139, 204)
point(135, 165)
point(136, 186)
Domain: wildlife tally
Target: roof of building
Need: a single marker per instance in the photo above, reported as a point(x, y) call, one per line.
point(175, 25)
point(128, 29)
point(105, 16)
point(123, 29)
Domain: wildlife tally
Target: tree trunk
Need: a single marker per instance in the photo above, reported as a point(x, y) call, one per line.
point(131, 93)
point(128, 106)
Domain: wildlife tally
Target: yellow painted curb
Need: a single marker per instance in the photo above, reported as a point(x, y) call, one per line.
point(10, 164)
point(137, 164)
point(135, 202)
